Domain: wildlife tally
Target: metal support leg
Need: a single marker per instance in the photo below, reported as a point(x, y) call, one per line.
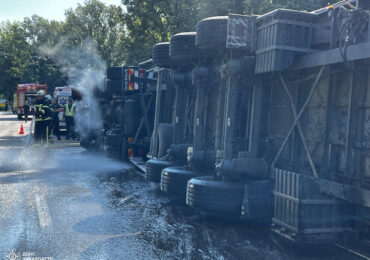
point(154, 141)
point(179, 114)
point(199, 116)
point(229, 125)
point(144, 110)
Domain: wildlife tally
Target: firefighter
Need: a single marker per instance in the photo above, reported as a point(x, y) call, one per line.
point(69, 114)
point(26, 109)
point(40, 115)
point(47, 117)
point(55, 118)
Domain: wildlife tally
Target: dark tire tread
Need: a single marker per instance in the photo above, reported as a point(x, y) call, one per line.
point(160, 55)
point(174, 180)
point(212, 33)
point(215, 197)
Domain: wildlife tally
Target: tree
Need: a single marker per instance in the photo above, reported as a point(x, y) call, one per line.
point(121, 35)
point(152, 21)
point(15, 57)
point(99, 22)
point(40, 32)
point(21, 43)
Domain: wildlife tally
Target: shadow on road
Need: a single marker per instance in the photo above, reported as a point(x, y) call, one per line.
point(10, 140)
point(10, 119)
point(8, 116)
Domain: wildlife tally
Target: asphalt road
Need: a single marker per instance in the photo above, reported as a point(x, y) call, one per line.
point(63, 203)
point(50, 205)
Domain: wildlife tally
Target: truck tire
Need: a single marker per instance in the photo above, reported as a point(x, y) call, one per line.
point(115, 73)
point(114, 87)
point(182, 47)
point(154, 169)
point(212, 33)
point(174, 180)
point(215, 197)
point(160, 55)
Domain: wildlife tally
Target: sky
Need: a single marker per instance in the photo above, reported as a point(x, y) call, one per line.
point(49, 9)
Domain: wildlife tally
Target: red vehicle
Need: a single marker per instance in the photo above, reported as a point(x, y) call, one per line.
point(27, 92)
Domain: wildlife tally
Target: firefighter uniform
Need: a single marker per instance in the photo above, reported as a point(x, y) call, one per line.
point(55, 118)
point(69, 114)
point(42, 121)
point(38, 120)
point(47, 117)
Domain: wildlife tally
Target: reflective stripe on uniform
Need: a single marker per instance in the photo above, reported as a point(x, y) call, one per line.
point(39, 108)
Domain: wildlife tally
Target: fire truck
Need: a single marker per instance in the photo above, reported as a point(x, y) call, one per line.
point(27, 92)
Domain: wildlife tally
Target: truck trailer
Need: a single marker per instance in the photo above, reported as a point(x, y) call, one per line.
point(264, 118)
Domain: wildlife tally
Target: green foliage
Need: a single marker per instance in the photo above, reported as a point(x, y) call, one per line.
point(122, 35)
point(104, 24)
point(152, 21)
point(20, 43)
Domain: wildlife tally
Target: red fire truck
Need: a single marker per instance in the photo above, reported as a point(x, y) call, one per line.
point(27, 92)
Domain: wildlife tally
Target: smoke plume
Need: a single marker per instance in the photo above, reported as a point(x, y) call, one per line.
point(86, 71)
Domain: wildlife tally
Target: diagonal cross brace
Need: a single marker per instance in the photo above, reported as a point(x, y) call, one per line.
point(296, 120)
point(299, 126)
point(144, 119)
point(144, 109)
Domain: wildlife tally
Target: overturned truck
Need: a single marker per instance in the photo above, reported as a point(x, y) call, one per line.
point(263, 118)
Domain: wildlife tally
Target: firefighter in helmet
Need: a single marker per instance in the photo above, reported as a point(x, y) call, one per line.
point(48, 117)
point(42, 118)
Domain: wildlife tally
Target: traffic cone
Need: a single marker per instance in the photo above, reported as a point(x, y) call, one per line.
point(21, 132)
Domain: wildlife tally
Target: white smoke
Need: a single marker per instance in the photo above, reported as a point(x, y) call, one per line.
point(86, 71)
point(36, 160)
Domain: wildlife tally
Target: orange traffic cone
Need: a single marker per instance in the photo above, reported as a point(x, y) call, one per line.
point(21, 132)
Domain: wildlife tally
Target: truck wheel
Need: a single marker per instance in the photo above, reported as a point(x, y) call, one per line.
point(115, 73)
point(114, 86)
point(212, 33)
point(182, 47)
point(215, 197)
point(154, 169)
point(175, 179)
point(19, 116)
point(160, 55)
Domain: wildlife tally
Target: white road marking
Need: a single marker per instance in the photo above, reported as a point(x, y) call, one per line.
point(43, 211)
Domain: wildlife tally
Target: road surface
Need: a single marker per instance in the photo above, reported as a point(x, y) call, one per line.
point(63, 203)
